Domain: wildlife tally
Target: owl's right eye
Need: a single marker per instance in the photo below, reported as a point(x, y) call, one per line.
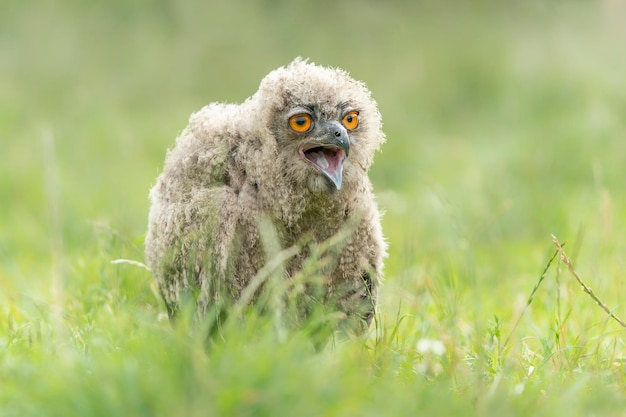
point(301, 122)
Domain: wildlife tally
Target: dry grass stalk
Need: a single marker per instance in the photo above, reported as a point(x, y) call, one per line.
point(567, 261)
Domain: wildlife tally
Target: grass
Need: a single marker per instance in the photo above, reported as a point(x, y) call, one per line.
point(505, 125)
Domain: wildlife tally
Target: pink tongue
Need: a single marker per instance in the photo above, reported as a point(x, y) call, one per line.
point(327, 160)
point(330, 162)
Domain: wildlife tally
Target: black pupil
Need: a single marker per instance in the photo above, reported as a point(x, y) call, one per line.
point(301, 121)
point(349, 118)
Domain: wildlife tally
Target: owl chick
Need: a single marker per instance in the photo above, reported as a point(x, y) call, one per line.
point(297, 152)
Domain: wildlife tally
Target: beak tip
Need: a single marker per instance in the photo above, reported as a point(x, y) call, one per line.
point(337, 182)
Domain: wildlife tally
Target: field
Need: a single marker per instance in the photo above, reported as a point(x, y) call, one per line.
point(505, 123)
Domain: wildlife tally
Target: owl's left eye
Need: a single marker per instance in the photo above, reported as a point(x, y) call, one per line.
point(351, 120)
point(301, 122)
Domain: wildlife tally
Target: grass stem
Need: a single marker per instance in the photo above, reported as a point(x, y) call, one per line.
point(567, 261)
point(530, 299)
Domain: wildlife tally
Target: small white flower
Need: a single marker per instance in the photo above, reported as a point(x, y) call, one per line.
point(436, 347)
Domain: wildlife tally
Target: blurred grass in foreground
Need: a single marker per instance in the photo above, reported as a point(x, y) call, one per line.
point(505, 124)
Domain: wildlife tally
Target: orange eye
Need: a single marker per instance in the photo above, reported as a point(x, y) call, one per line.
point(301, 122)
point(351, 120)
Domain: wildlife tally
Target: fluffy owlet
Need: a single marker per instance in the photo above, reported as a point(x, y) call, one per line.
point(295, 154)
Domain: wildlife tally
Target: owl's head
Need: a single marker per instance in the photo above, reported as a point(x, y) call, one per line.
point(322, 124)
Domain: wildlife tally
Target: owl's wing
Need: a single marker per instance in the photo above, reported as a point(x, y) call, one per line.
point(189, 223)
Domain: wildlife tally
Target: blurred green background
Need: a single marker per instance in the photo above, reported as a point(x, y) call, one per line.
point(506, 123)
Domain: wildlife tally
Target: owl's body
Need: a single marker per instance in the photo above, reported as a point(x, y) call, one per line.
point(296, 153)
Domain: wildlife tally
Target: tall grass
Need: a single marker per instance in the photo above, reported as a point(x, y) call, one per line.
point(505, 125)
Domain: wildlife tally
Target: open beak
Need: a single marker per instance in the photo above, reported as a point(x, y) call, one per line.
point(328, 154)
